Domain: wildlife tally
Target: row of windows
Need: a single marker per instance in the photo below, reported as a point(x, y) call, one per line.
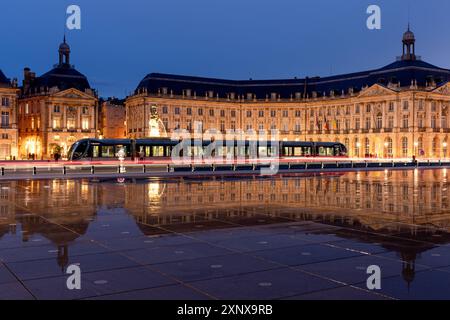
point(336, 125)
point(56, 109)
point(70, 123)
point(297, 113)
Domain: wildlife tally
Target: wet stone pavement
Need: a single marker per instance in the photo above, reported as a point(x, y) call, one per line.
point(293, 237)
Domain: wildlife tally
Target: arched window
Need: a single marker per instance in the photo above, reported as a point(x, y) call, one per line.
point(434, 147)
point(356, 146)
point(420, 146)
point(388, 148)
point(405, 147)
point(367, 147)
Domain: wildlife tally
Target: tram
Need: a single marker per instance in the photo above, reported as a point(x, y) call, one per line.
point(104, 149)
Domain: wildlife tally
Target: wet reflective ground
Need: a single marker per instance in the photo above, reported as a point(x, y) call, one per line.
point(292, 237)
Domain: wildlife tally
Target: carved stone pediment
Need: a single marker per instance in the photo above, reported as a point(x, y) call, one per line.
point(376, 90)
point(444, 89)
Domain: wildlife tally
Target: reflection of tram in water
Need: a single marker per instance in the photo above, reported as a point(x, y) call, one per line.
point(92, 149)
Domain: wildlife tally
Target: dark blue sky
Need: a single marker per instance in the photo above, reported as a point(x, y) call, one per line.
point(121, 41)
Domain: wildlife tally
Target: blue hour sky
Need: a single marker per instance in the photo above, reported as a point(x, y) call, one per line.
point(122, 41)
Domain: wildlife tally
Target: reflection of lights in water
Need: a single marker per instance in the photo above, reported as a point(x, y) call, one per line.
point(155, 190)
point(120, 180)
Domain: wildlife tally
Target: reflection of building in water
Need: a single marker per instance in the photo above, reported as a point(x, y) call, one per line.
point(375, 200)
point(59, 210)
point(7, 213)
point(384, 205)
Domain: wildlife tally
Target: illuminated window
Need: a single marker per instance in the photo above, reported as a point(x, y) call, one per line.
point(85, 123)
point(71, 123)
point(404, 147)
point(56, 123)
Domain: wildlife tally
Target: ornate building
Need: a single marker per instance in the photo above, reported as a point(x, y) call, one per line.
point(8, 120)
point(399, 110)
point(55, 109)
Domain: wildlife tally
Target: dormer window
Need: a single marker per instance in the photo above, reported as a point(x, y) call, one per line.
point(188, 92)
point(164, 90)
point(249, 96)
point(298, 95)
point(273, 96)
point(210, 94)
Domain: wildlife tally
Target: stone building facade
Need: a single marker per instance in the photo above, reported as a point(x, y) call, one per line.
point(399, 110)
point(112, 119)
point(8, 121)
point(55, 109)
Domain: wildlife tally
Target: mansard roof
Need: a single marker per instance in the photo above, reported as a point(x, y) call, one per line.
point(64, 77)
point(402, 73)
point(406, 71)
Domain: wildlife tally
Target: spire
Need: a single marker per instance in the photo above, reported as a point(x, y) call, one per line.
point(64, 52)
point(409, 45)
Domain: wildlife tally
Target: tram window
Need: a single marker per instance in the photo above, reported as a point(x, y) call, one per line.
point(287, 151)
point(272, 151)
point(262, 151)
point(306, 151)
point(230, 152)
point(241, 151)
point(108, 151)
point(96, 151)
point(337, 151)
point(325, 151)
point(158, 151)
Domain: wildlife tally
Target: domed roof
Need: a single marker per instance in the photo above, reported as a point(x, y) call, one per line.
point(64, 47)
point(409, 35)
point(64, 77)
